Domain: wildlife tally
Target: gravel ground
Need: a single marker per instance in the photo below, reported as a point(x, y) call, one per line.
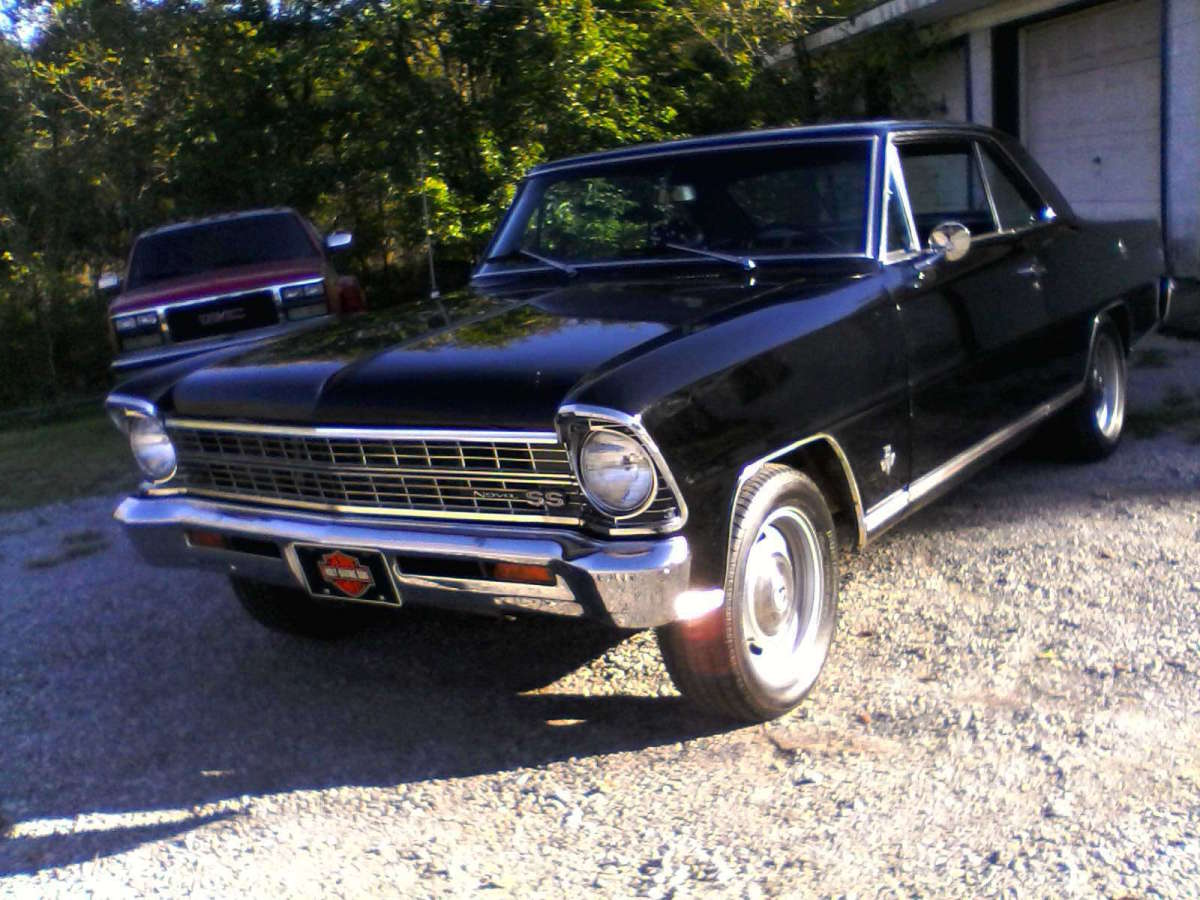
point(1011, 707)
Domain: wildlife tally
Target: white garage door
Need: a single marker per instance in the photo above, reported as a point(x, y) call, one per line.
point(1090, 106)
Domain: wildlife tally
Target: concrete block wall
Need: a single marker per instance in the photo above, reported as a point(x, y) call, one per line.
point(1182, 177)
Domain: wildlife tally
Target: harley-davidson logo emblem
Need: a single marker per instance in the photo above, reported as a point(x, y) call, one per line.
point(345, 573)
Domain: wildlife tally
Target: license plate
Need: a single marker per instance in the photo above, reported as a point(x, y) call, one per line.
point(346, 574)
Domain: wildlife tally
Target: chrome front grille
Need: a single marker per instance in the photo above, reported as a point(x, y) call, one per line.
point(501, 476)
point(423, 474)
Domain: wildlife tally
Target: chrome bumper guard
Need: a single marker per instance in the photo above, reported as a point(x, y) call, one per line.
point(628, 583)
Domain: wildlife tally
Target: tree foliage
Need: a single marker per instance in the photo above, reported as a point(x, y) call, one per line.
point(116, 115)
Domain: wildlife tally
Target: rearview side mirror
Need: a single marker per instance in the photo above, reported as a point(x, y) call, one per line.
point(950, 241)
point(108, 283)
point(338, 240)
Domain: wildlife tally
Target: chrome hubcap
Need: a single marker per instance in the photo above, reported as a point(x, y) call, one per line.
point(1108, 387)
point(784, 584)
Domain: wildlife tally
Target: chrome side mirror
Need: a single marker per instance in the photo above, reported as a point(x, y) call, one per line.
point(338, 240)
point(950, 241)
point(108, 283)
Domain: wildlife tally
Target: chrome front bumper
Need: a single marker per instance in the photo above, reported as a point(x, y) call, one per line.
point(628, 584)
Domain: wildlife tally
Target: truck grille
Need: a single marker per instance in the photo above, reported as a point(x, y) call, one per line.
point(512, 476)
point(223, 315)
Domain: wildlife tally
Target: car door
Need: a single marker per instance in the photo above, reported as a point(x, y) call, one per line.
point(976, 329)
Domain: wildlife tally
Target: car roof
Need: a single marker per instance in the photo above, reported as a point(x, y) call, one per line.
point(222, 217)
point(848, 130)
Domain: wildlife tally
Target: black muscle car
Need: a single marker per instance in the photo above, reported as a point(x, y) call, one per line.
point(681, 375)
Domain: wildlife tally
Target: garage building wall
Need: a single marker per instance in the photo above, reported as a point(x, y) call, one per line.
point(1182, 176)
point(943, 81)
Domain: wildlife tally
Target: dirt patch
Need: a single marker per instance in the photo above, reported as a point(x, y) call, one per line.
point(73, 546)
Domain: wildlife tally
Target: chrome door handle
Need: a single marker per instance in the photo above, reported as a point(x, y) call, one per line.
point(1032, 270)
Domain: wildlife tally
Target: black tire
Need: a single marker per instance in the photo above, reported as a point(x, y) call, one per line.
point(719, 661)
point(1090, 428)
point(293, 611)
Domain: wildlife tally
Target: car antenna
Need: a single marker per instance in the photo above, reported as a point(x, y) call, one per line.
point(434, 293)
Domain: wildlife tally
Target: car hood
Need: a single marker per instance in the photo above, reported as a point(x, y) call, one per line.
point(224, 281)
point(468, 360)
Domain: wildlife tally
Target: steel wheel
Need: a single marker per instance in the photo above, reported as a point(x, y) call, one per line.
point(760, 653)
point(1108, 386)
point(783, 587)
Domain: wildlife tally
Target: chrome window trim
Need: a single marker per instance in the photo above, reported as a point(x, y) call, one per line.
point(633, 423)
point(936, 137)
point(987, 188)
point(1020, 170)
point(894, 172)
point(869, 244)
point(668, 150)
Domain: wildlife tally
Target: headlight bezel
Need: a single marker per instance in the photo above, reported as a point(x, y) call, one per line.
point(612, 510)
point(131, 416)
point(573, 423)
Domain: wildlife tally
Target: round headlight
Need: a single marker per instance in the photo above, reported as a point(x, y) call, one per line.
point(616, 472)
point(151, 447)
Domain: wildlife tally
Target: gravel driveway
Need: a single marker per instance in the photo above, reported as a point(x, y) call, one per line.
point(1012, 705)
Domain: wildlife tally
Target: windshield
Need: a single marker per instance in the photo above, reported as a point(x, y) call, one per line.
point(801, 199)
point(192, 250)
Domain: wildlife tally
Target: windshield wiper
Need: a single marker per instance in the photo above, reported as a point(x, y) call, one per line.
point(745, 262)
point(544, 260)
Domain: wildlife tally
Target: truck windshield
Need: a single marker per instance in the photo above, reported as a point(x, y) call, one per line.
point(194, 249)
point(798, 199)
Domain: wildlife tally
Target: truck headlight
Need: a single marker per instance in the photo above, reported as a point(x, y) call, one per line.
point(153, 450)
point(616, 473)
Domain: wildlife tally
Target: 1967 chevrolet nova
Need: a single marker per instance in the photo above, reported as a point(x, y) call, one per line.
point(680, 376)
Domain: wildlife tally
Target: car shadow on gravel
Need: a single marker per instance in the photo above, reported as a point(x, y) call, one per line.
point(185, 720)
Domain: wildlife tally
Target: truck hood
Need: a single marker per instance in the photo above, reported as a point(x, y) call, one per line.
point(224, 281)
point(469, 360)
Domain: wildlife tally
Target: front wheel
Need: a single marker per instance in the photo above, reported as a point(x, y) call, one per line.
point(759, 654)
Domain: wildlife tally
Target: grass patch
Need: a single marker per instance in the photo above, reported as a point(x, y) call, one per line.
point(1152, 358)
point(1179, 411)
point(63, 461)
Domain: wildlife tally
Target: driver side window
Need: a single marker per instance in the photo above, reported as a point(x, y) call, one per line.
point(945, 185)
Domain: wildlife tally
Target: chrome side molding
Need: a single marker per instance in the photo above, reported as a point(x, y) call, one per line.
point(888, 511)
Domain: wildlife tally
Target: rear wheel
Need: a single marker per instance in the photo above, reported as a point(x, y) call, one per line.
point(293, 611)
point(759, 654)
point(1090, 428)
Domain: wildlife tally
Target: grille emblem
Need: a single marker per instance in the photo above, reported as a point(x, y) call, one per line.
point(549, 499)
point(222, 315)
point(345, 573)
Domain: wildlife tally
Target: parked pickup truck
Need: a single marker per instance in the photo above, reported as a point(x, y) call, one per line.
point(682, 375)
point(193, 286)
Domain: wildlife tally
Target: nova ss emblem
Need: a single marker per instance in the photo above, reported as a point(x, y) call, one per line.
point(345, 573)
point(889, 459)
point(548, 499)
point(222, 315)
